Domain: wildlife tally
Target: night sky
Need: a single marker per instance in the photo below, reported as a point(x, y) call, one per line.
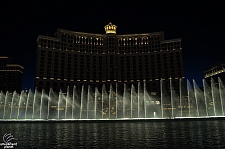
point(200, 25)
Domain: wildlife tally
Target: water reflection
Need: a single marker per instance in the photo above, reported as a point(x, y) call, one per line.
point(178, 134)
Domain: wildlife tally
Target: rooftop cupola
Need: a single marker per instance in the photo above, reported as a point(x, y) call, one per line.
point(110, 28)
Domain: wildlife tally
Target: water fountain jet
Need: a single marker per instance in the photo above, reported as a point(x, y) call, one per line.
point(128, 104)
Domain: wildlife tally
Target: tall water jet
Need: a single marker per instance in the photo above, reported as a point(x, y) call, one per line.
point(49, 99)
point(213, 97)
point(124, 98)
point(81, 102)
point(88, 99)
point(95, 106)
point(206, 105)
point(6, 97)
point(116, 99)
point(20, 99)
point(161, 94)
point(110, 96)
point(221, 95)
point(139, 88)
point(67, 98)
point(103, 88)
point(145, 109)
point(105, 100)
point(189, 101)
point(12, 103)
point(132, 100)
point(181, 106)
point(27, 103)
point(196, 97)
point(42, 96)
point(59, 101)
point(73, 100)
point(2, 97)
point(171, 98)
point(35, 96)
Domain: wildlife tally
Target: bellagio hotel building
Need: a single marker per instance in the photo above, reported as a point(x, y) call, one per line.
point(76, 58)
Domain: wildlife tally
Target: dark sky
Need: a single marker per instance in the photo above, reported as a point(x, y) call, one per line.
point(200, 25)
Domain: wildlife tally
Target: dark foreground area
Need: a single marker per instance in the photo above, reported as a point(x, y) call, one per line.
point(160, 133)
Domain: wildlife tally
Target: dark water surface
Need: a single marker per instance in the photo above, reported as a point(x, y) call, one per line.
point(161, 134)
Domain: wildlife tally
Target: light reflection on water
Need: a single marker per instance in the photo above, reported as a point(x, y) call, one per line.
point(176, 134)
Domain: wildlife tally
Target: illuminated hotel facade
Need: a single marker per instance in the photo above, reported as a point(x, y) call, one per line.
point(75, 58)
point(215, 72)
point(10, 75)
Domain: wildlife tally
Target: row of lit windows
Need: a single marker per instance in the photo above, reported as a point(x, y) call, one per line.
point(111, 72)
point(45, 79)
point(59, 57)
point(50, 54)
point(11, 68)
point(210, 74)
point(137, 41)
point(100, 41)
point(215, 69)
point(100, 66)
point(56, 44)
point(11, 71)
point(47, 43)
point(111, 48)
point(123, 52)
point(94, 63)
point(78, 37)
